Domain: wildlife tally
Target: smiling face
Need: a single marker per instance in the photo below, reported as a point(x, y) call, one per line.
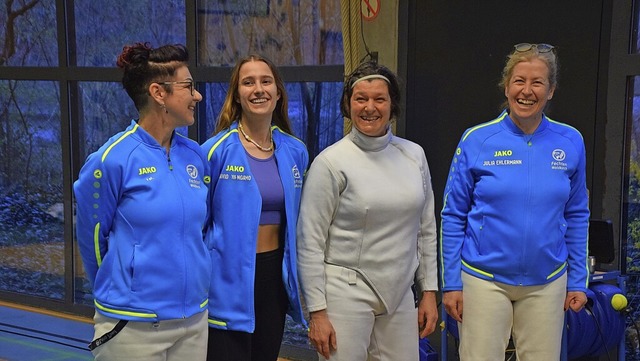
point(180, 103)
point(528, 90)
point(257, 90)
point(371, 107)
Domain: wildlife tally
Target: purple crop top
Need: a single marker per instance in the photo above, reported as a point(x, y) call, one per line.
point(265, 172)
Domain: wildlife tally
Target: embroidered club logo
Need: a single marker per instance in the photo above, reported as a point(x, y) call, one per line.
point(558, 155)
point(192, 171)
point(297, 178)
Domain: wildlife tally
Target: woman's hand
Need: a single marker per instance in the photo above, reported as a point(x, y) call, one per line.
point(575, 300)
point(452, 301)
point(427, 313)
point(321, 333)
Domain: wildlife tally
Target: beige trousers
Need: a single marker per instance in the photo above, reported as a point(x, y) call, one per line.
point(172, 340)
point(363, 330)
point(492, 311)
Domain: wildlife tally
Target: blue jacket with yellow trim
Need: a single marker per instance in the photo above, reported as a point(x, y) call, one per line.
point(516, 206)
point(232, 225)
point(140, 215)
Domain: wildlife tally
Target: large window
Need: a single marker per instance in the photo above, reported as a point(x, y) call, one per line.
point(288, 32)
point(103, 27)
point(31, 203)
point(29, 35)
point(61, 98)
point(630, 210)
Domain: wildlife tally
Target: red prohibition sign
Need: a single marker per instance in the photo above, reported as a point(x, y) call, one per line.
point(369, 9)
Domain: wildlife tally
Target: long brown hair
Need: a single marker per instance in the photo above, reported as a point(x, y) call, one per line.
point(231, 108)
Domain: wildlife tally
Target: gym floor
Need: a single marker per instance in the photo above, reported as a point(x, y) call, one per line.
point(30, 334)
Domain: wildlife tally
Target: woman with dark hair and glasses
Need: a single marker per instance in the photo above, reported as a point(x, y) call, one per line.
point(367, 232)
point(515, 220)
point(256, 169)
point(141, 207)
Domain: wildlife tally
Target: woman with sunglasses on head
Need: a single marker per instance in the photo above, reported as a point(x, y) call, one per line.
point(257, 168)
point(367, 232)
point(515, 220)
point(141, 206)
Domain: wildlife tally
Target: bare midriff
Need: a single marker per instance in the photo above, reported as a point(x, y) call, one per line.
point(268, 237)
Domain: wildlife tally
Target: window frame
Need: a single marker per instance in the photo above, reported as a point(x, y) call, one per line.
point(68, 76)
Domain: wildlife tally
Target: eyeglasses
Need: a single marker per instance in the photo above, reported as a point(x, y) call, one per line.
point(542, 48)
point(190, 82)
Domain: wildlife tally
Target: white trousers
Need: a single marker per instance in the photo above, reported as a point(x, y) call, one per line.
point(363, 330)
point(492, 311)
point(172, 340)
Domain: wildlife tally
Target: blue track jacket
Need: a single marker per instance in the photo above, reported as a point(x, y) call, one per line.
point(139, 226)
point(516, 206)
point(232, 225)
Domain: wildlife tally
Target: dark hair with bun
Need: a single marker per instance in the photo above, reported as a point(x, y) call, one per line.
point(144, 65)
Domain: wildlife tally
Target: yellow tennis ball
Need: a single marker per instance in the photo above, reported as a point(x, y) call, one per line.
point(618, 302)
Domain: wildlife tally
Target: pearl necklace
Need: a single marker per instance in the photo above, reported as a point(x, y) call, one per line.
point(248, 138)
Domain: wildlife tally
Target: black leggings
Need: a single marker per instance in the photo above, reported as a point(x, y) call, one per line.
point(270, 303)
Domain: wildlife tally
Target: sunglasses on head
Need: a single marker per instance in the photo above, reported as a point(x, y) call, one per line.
point(542, 48)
